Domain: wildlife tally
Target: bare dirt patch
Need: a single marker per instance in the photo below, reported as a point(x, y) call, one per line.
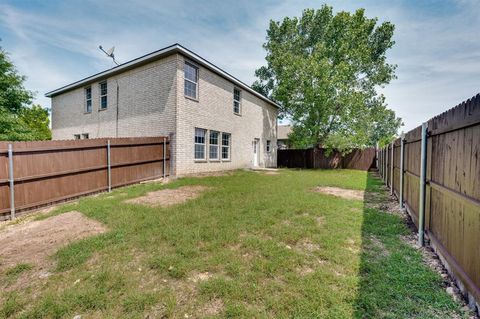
point(341, 192)
point(214, 307)
point(213, 174)
point(202, 276)
point(320, 220)
point(379, 246)
point(34, 241)
point(306, 245)
point(304, 270)
point(271, 173)
point(169, 197)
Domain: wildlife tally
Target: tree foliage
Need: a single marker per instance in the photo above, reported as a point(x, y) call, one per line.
point(19, 121)
point(324, 69)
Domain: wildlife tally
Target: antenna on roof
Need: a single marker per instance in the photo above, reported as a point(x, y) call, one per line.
point(109, 53)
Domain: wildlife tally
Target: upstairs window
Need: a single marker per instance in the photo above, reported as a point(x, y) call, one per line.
point(213, 145)
point(236, 101)
point(200, 143)
point(76, 136)
point(269, 146)
point(103, 95)
point(88, 100)
point(85, 136)
point(191, 80)
point(225, 146)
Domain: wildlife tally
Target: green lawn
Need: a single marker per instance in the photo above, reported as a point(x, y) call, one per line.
point(253, 245)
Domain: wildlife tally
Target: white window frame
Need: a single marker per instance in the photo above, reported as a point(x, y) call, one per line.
point(228, 147)
point(103, 95)
point(76, 136)
point(239, 101)
point(190, 81)
point(268, 146)
point(214, 146)
point(85, 136)
point(204, 144)
point(88, 99)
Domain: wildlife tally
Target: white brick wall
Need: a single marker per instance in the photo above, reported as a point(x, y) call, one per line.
point(146, 105)
point(151, 103)
point(214, 111)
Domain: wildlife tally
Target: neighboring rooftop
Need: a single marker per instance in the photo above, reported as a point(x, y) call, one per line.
point(175, 48)
point(283, 131)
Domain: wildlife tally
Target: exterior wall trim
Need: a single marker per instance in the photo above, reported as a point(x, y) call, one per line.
point(175, 48)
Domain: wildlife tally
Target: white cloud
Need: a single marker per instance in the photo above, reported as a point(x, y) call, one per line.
point(436, 50)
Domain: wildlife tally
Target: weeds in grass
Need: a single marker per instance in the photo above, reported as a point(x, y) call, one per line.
point(271, 246)
point(17, 270)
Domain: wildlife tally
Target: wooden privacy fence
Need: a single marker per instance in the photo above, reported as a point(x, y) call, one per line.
point(317, 158)
point(33, 174)
point(434, 170)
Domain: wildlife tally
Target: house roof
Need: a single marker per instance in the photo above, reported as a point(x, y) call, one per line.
point(283, 131)
point(175, 48)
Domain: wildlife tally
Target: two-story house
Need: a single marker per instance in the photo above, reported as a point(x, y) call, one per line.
point(215, 122)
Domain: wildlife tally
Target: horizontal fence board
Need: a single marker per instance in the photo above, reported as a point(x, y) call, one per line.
point(51, 171)
point(452, 205)
point(320, 158)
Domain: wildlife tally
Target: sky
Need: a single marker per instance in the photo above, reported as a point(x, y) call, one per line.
point(437, 48)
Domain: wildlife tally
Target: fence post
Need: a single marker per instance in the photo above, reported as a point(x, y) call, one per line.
point(164, 155)
point(392, 168)
point(386, 165)
point(402, 164)
point(171, 159)
point(11, 181)
point(381, 162)
point(109, 167)
point(423, 168)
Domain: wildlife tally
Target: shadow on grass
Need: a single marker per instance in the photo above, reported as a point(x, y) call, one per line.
point(394, 280)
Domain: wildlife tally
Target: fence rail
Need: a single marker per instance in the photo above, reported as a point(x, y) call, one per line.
point(441, 189)
point(34, 174)
point(318, 158)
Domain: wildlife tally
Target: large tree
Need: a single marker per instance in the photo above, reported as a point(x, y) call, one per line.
point(19, 120)
point(324, 69)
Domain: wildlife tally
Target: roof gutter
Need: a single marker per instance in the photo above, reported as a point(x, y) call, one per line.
point(175, 48)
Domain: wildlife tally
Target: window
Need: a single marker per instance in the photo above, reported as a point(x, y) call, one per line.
point(103, 95)
point(191, 80)
point(269, 146)
point(85, 136)
point(88, 100)
point(236, 101)
point(225, 146)
point(200, 143)
point(213, 145)
point(76, 136)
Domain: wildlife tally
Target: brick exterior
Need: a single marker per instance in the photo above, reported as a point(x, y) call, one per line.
point(151, 102)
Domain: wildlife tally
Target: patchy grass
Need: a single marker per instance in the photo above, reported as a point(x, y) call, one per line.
point(254, 245)
point(15, 271)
